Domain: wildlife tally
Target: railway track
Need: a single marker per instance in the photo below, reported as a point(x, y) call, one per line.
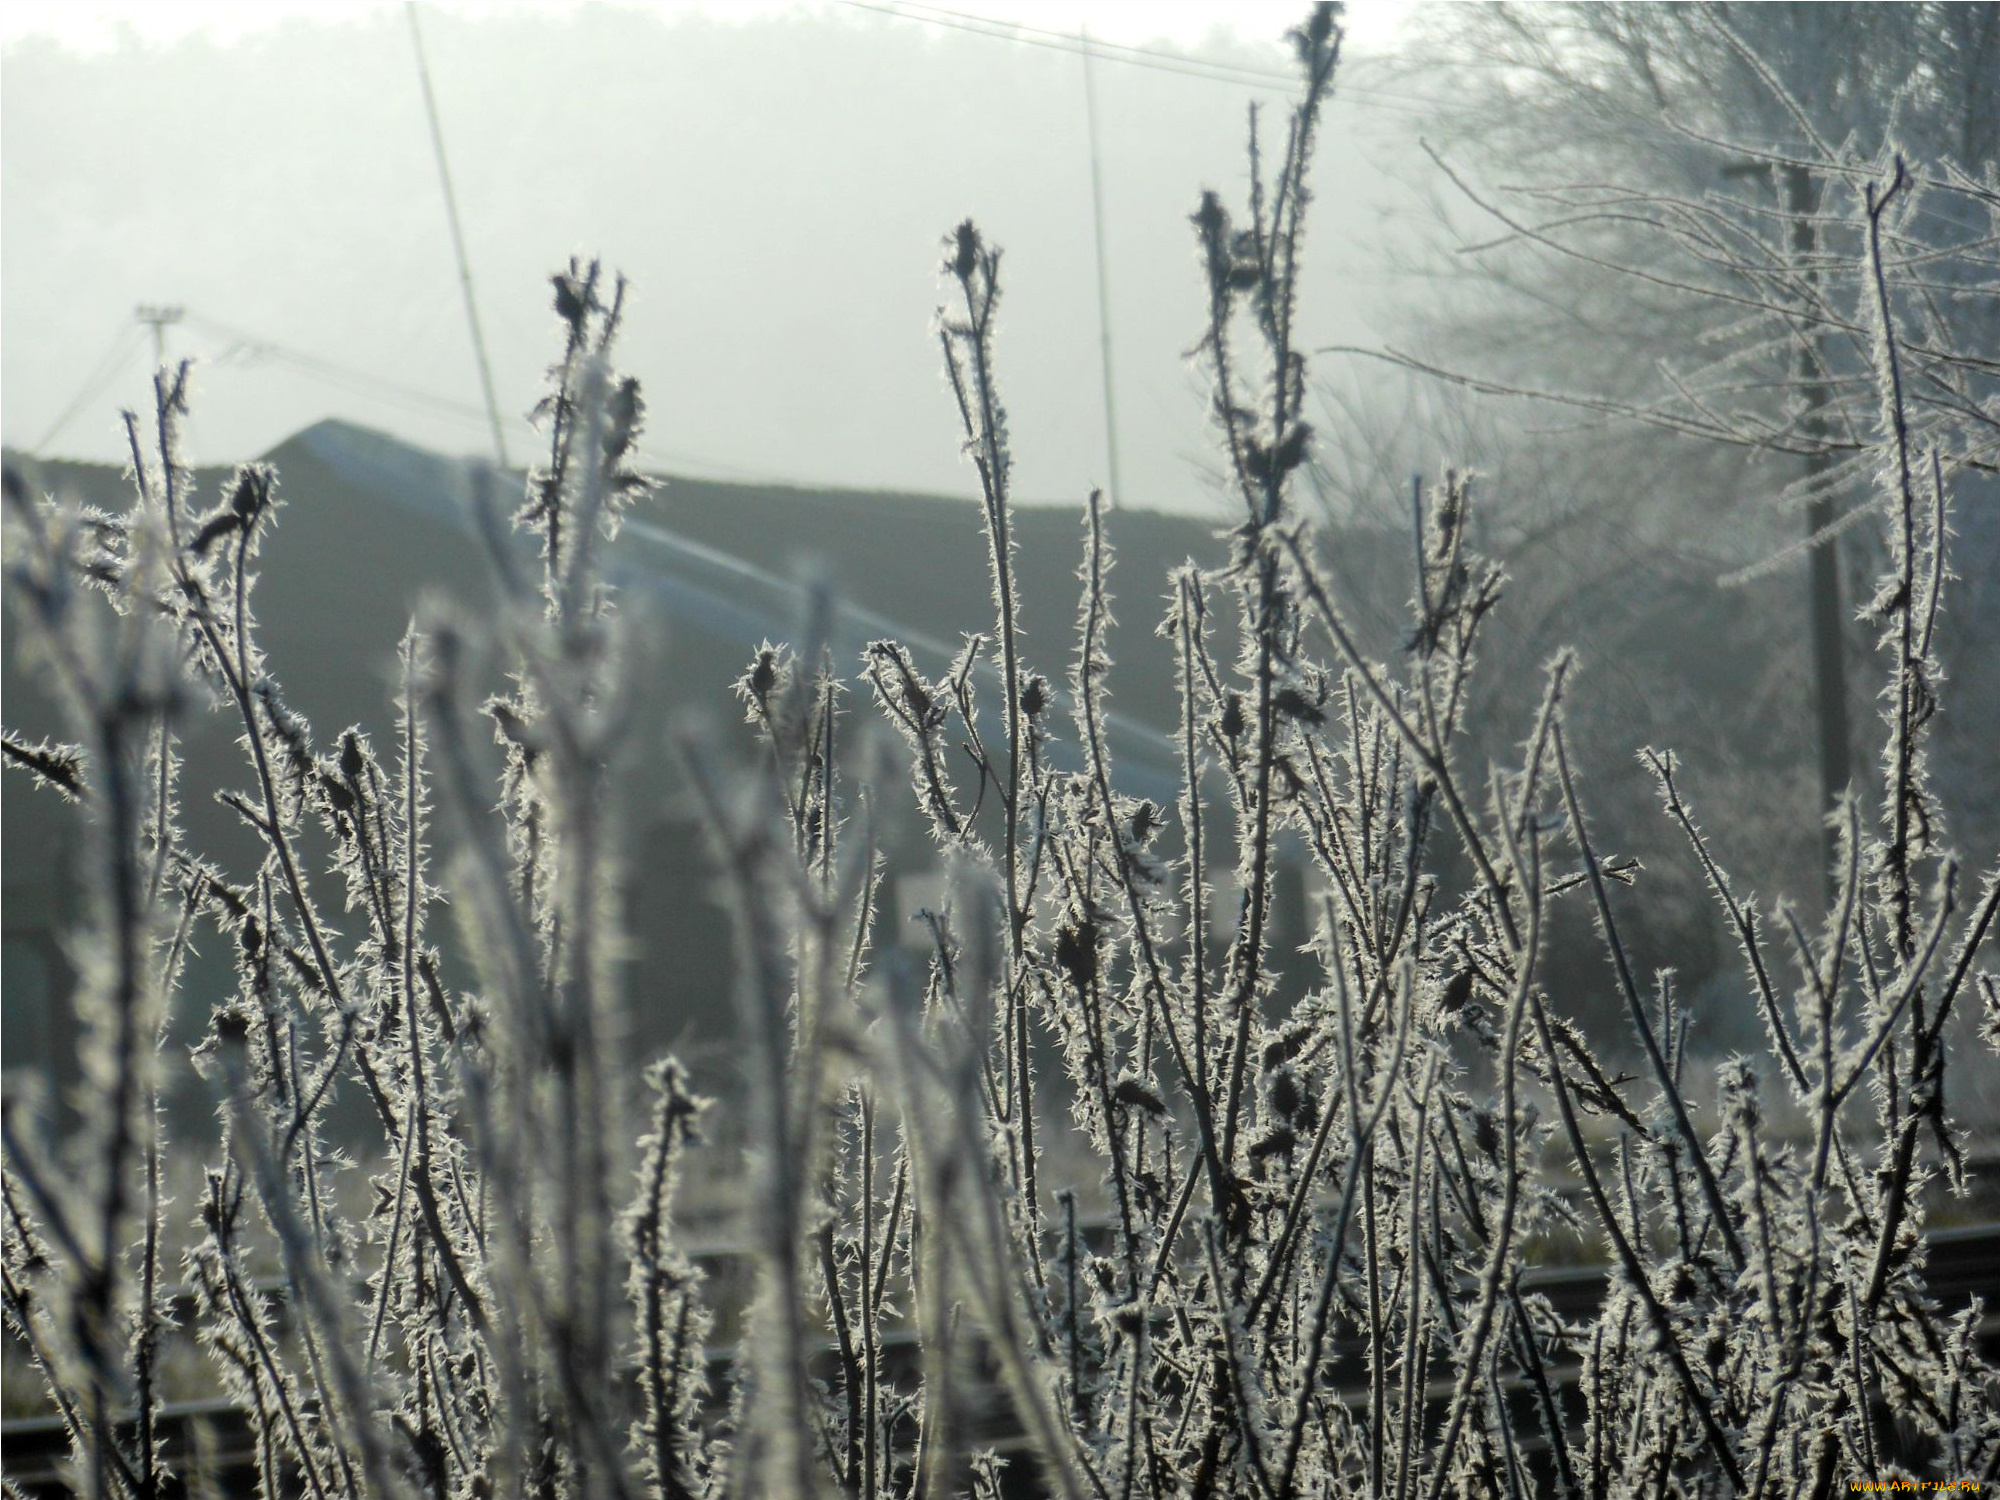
point(1963, 1263)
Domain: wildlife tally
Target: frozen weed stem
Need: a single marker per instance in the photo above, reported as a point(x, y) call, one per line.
point(1318, 1200)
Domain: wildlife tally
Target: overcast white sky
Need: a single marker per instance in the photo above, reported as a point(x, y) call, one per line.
point(774, 178)
point(89, 26)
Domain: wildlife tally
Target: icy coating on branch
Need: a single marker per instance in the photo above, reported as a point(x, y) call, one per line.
point(1294, 1259)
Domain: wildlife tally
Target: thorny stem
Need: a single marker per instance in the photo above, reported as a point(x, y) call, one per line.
point(1472, 1357)
point(1670, 1092)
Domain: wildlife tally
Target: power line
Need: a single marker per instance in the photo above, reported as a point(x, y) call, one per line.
point(1144, 56)
point(1062, 41)
point(1242, 74)
point(340, 374)
point(457, 238)
point(347, 377)
point(102, 374)
point(1103, 278)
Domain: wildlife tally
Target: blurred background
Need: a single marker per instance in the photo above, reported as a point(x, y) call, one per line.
point(774, 180)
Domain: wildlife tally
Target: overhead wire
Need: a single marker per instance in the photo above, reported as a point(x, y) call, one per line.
point(107, 368)
point(1097, 44)
point(360, 382)
point(1103, 282)
point(329, 370)
point(457, 236)
point(239, 341)
point(957, 21)
point(1055, 41)
point(1245, 75)
point(348, 378)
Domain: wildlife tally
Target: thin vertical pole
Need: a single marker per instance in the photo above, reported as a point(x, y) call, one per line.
point(1117, 488)
point(457, 240)
point(158, 319)
point(1828, 624)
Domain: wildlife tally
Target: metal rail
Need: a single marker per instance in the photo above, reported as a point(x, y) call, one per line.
point(1962, 1263)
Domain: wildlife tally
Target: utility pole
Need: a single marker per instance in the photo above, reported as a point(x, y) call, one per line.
point(1103, 274)
point(159, 317)
point(1825, 618)
point(1823, 582)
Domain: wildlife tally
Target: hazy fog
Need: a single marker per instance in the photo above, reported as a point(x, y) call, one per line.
point(775, 188)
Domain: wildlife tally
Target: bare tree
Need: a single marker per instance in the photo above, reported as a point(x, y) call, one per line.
point(1655, 217)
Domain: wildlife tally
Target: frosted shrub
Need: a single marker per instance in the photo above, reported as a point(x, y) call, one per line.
point(1299, 1268)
